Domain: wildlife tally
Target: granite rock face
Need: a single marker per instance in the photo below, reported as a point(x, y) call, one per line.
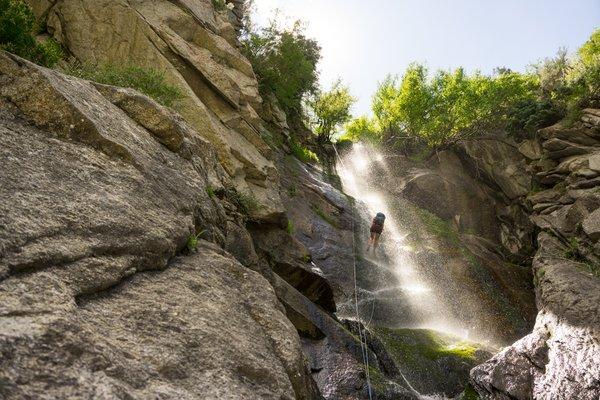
point(100, 191)
point(194, 45)
point(221, 334)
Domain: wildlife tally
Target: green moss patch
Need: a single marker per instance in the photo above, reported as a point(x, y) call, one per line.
point(433, 362)
point(415, 344)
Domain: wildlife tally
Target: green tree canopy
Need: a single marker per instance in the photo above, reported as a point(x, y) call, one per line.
point(452, 103)
point(360, 129)
point(590, 51)
point(285, 62)
point(331, 109)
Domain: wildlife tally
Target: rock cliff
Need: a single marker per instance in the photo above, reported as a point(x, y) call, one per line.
point(144, 250)
point(518, 207)
point(149, 252)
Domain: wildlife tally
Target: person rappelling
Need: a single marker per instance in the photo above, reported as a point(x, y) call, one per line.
point(376, 230)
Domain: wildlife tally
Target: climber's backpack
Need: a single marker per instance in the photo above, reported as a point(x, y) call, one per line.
point(380, 219)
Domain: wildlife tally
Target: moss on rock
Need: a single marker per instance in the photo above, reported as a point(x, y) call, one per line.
point(433, 362)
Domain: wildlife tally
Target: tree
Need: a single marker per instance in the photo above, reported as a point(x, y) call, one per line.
point(589, 53)
point(285, 62)
point(331, 109)
point(417, 109)
point(362, 129)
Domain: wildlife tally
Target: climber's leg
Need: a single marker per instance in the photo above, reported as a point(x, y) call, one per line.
point(375, 237)
point(371, 241)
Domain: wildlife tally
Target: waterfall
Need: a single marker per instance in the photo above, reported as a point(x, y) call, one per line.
point(415, 284)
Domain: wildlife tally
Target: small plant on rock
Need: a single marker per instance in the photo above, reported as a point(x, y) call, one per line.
point(245, 202)
point(211, 191)
point(290, 227)
point(573, 252)
point(302, 153)
point(326, 217)
point(222, 5)
point(192, 242)
point(293, 190)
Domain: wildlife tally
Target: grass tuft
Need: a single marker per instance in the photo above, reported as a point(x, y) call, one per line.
point(302, 153)
point(192, 241)
point(148, 81)
point(246, 202)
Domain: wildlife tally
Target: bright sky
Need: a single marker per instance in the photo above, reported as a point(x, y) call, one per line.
point(364, 40)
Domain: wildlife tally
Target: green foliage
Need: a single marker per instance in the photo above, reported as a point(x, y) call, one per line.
point(420, 109)
point(211, 191)
point(292, 190)
point(285, 62)
point(528, 115)
point(192, 241)
point(437, 226)
point(149, 81)
point(415, 346)
point(17, 34)
point(469, 394)
point(590, 51)
point(330, 109)
point(289, 227)
point(302, 153)
point(573, 252)
point(361, 129)
point(221, 5)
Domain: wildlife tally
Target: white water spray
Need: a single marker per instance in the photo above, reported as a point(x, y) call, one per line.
point(415, 284)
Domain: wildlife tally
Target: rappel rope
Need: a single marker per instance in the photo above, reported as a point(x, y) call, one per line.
point(361, 332)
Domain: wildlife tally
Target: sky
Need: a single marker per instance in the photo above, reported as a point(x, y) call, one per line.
point(365, 40)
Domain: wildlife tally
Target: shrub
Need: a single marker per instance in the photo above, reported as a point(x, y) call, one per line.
point(302, 153)
point(222, 5)
point(361, 129)
point(246, 203)
point(285, 62)
point(149, 81)
point(17, 34)
point(528, 115)
point(330, 109)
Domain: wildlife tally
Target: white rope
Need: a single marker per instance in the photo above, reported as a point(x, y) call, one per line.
point(361, 332)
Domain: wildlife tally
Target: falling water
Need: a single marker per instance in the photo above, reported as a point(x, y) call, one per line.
point(430, 308)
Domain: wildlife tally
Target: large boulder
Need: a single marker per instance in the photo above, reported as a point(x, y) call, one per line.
point(498, 163)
